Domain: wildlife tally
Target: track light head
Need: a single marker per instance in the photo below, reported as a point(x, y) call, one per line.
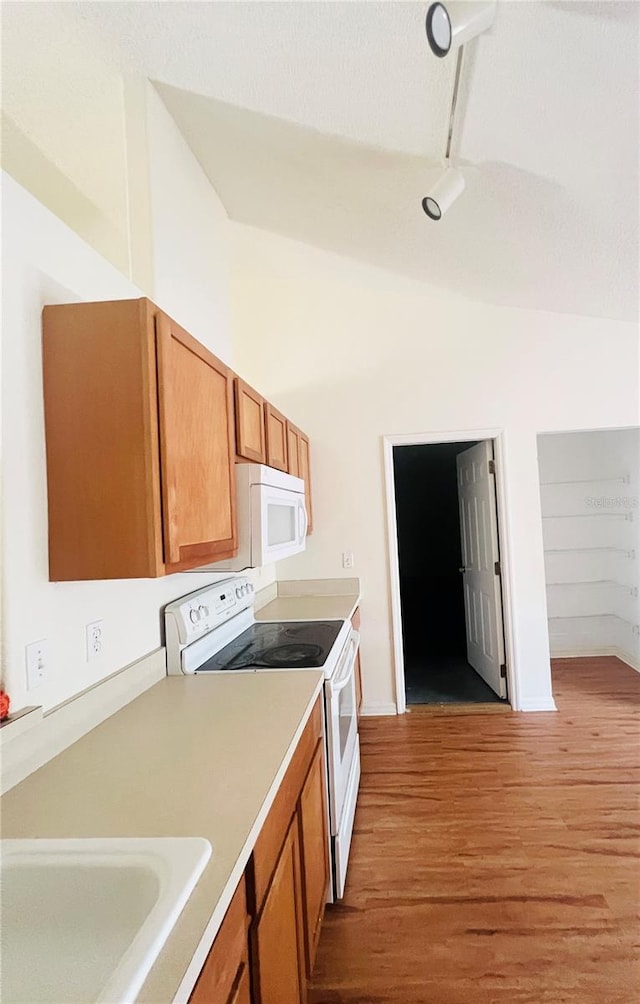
point(444, 193)
point(454, 22)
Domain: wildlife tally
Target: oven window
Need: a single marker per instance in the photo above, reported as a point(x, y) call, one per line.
point(281, 524)
point(346, 715)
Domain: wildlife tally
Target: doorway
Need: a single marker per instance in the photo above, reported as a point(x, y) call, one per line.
point(450, 596)
point(589, 494)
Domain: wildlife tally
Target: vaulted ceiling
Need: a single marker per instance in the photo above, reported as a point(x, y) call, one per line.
point(326, 122)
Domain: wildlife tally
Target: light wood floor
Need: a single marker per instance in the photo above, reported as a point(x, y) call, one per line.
point(495, 857)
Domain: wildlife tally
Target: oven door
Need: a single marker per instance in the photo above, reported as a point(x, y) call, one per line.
point(278, 524)
point(342, 728)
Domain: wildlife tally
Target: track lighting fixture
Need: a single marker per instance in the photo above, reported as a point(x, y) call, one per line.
point(451, 24)
point(444, 193)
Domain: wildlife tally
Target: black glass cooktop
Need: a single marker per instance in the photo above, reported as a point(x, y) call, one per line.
point(289, 645)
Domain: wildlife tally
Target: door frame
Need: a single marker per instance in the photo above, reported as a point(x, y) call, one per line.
point(431, 439)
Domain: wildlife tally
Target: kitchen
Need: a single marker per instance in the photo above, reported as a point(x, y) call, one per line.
point(348, 356)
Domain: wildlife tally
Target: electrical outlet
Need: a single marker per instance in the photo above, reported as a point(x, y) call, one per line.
point(95, 640)
point(37, 657)
point(347, 559)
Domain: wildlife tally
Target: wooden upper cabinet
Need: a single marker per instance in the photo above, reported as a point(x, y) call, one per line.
point(293, 449)
point(139, 444)
point(197, 449)
point(304, 468)
point(276, 429)
point(250, 423)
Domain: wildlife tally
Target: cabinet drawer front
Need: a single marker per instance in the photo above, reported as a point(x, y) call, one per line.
point(196, 444)
point(227, 962)
point(269, 843)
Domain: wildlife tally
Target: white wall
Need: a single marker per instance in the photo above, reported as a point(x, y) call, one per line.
point(62, 122)
point(45, 262)
point(353, 354)
point(189, 229)
point(589, 492)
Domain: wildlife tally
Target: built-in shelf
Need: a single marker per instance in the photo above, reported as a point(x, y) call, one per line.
point(588, 617)
point(587, 550)
point(592, 582)
point(623, 479)
point(628, 516)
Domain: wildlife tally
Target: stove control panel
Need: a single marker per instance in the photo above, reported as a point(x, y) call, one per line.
point(195, 615)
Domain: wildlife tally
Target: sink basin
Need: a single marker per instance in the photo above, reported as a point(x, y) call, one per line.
point(84, 920)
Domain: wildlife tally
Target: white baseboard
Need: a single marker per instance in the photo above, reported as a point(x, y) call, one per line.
point(594, 653)
point(628, 659)
point(538, 704)
point(373, 710)
point(26, 750)
point(586, 652)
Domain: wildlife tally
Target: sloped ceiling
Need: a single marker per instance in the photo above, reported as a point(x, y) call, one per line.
point(326, 122)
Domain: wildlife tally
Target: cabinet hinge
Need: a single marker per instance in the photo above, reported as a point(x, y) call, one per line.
point(496, 568)
point(503, 671)
point(492, 467)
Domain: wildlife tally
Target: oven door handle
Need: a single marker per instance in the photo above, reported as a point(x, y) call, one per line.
point(346, 671)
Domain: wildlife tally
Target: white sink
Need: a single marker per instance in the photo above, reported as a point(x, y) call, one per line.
point(84, 920)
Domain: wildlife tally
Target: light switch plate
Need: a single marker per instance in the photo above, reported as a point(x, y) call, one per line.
point(37, 658)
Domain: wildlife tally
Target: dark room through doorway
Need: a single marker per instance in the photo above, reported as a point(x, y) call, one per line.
point(432, 583)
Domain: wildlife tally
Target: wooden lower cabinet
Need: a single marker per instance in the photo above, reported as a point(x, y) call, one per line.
point(314, 861)
point(225, 976)
point(266, 946)
point(279, 969)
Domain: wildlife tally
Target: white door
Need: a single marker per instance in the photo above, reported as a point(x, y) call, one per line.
point(479, 535)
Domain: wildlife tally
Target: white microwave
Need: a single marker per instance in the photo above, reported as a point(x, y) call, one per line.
point(272, 518)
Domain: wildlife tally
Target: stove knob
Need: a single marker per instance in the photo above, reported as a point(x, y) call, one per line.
point(238, 591)
point(249, 587)
point(194, 616)
point(203, 611)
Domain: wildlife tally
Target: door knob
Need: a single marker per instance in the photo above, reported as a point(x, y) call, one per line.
point(465, 568)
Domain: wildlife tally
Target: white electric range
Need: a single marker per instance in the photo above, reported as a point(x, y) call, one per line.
point(214, 630)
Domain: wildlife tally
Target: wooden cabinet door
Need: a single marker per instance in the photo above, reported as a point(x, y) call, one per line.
point(276, 429)
point(314, 853)
point(279, 974)
point(293, 440)
point(224, 978)
point(250, 422)
point(304, 464)
point(242, 992)
point(196, 450)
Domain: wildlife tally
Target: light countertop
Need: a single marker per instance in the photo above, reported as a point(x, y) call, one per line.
point(193, 756)
point(311, 608)
point(311, 599)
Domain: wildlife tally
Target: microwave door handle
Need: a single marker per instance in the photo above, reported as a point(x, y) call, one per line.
point(303, 521)
point(345, 676)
